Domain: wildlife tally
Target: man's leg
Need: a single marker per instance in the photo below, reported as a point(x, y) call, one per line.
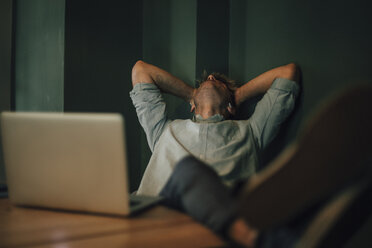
point(196, 189)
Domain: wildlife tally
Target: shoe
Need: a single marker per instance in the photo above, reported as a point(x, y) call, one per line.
point(330, 154)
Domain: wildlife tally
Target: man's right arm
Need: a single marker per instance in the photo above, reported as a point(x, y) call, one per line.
point(143, 72)
point(148, 100)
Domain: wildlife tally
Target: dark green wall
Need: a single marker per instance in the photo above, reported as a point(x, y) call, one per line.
point(212, 36)
point(330, 40)
point(103, 39)
point(39, 55)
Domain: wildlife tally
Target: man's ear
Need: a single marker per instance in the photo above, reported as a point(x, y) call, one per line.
point(192, 104)
point(231, 109)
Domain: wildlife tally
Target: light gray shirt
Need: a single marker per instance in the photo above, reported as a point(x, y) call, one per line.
point(230, 147)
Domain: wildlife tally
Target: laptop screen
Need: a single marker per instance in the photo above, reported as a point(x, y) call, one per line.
point(66, 161)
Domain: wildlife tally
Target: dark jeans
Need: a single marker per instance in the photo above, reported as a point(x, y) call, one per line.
point(197, 190)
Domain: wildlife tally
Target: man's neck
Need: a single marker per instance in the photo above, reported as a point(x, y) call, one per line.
point(208, 111)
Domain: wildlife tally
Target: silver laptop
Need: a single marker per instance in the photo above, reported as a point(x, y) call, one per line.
point(68, 161)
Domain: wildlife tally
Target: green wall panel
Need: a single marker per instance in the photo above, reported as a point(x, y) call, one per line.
point(39, 55)
point(103, 41)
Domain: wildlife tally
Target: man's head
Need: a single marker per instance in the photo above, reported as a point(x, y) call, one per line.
point(215, 95)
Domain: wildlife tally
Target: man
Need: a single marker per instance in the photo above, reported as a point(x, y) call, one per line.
point(315, 194)
point(228, 146)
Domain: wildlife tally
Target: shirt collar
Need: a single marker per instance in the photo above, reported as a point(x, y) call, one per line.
point(214, 118)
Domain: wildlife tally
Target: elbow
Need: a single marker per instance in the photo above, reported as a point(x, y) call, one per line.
point(291, 72)
point(138, 68)
point(139, 64)
point(138, 71)
point(292, 68)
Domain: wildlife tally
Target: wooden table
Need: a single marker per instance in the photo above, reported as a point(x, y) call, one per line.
point(157, 227)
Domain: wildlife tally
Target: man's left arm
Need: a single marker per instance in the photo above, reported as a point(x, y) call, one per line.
point(263, 82)
point(280, 88)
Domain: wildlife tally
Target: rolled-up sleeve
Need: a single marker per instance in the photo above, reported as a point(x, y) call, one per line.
point(151, 111)
point(271, 111)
